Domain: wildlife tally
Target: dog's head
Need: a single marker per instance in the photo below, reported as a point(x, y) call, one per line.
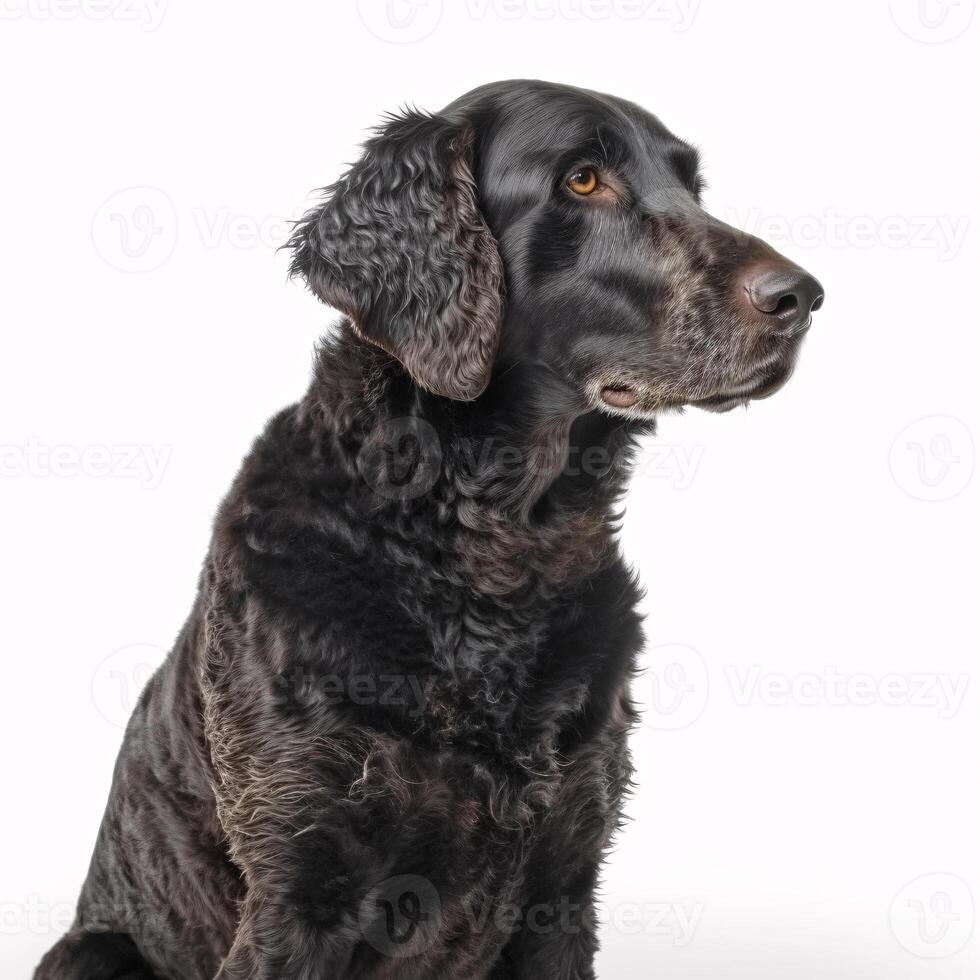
point(541, 224)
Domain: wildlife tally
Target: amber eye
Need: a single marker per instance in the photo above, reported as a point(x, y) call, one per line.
point(583, 181)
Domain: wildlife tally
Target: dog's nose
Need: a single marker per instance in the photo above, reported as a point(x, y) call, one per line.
point(785, 294)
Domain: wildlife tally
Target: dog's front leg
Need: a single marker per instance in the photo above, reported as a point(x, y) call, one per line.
point(273, 942)
point(557, 939)
point(324, 829)
point(310, 848)
point(305, 888)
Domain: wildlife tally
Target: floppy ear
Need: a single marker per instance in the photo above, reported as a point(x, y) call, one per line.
point(401, 247)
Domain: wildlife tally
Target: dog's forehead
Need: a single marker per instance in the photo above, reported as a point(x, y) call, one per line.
point(526, 122)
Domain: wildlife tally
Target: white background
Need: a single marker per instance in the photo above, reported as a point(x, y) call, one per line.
point(823, 543)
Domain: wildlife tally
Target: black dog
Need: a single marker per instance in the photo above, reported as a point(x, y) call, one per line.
point(391, 739)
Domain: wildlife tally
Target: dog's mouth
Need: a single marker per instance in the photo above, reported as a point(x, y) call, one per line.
point(754, 389)
point(774, 367)
point(624, 396)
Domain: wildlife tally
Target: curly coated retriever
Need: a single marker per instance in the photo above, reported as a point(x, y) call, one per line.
point(390, 741)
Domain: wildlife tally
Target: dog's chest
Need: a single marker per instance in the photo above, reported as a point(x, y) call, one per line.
point(510, 676)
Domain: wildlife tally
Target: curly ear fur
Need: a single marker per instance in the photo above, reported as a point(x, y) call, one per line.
point(401, 247)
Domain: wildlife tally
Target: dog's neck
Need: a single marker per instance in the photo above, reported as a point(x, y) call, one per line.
point(523, 468)
point(527, 441)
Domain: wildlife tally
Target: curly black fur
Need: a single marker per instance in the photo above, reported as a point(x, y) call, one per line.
point(391, 738)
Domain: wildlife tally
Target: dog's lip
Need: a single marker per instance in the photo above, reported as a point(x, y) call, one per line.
point(767, 384)
point(764, 382)
point(620, 396)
